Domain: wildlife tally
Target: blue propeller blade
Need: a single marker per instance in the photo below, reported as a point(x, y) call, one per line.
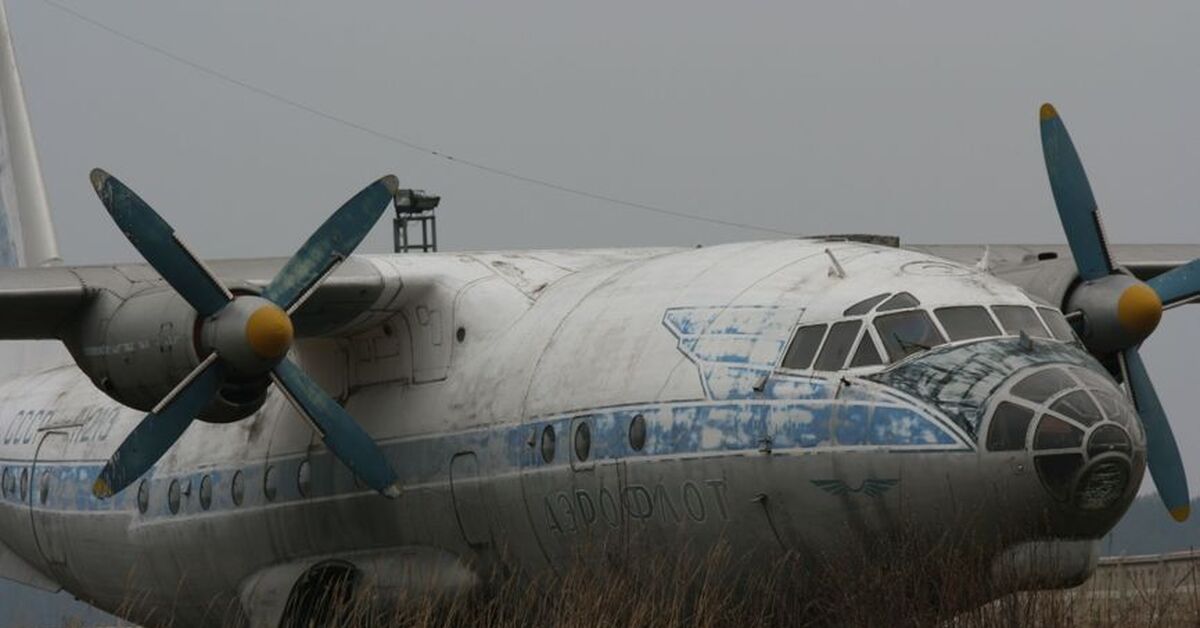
point(331, 243)
point(155, 240)
point(1166, 467)
point(341, 434)
point(159, 430)
point(1073, 197)
point(1178, 284)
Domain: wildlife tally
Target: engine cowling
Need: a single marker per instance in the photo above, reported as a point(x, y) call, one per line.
point(137, 349)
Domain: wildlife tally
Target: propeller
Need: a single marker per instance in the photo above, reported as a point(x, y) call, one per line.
point(1115, 311)
point(247, 336)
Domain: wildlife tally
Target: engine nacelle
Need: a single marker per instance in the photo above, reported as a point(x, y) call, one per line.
point(137, 349)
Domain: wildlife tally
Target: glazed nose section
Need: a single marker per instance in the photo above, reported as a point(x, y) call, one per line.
point(1082, 433)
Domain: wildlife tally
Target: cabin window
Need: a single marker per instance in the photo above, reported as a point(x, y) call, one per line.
point(1019, 318)
point(237, 488)
point(967, 322)
point(173, 496)
point(44, 487)
point(867, 353)
point(206, 492)
point(637, 432)
point(7, 483)
point(1010, 423)
point(864, 306)
point(583, 441)
point(804, 347)
point(143, 496)
point(899, 302)
point(270, 490)
point(548, 444)
point(24, 484)
point(1058, 324)
point(906, 333)
point(304, 478)
point(837, 346)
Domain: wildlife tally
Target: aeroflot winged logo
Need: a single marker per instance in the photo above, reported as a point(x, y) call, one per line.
point(871, 487)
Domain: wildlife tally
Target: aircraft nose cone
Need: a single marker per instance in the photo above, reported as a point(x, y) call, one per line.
point(1082, 433)
point(1139, 309)
point(269, 332)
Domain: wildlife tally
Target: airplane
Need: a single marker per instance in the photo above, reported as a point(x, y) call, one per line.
point(241, 429)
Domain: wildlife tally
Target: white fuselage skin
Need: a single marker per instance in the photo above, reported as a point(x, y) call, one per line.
point(477, 358)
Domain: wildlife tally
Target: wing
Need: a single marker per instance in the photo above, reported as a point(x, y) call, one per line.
point(47, 303)
point(1145, 261)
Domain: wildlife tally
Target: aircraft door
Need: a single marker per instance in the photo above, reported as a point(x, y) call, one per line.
point(469, 506)
point(46, 485)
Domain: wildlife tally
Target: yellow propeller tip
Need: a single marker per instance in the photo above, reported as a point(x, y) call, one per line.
point(101, 489)
point(1047, 112)
point(1181, 513)
point(98, 178)
point(391, 183)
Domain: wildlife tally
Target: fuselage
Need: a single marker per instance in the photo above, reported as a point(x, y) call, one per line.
point(532, 405)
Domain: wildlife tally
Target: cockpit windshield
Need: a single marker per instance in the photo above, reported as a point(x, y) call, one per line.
point(906, 333)
point(889, 327)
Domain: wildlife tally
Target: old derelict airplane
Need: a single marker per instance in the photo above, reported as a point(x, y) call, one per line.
point(516, 406)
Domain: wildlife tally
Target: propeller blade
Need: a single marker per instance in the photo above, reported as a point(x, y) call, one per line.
point(344, 437)
point(1178, 285)
point(1166, 467)
point(1073, 197)
point(330, 244)
point(160, 429)
point(156, 241)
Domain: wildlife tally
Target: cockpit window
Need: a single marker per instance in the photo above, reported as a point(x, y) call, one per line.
point(866, 354)
point(837, 346)
point(804, 347)
point(899, 302)
point(1018, 318)
point(1058, 324)
point(1079, 406)
point(1054, 433)
point(905, 333)
point(864, 306)
point(1043, 385)
point(1009, 425)
point(967, 322)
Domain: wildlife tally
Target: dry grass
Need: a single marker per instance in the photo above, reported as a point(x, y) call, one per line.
point(880, 587)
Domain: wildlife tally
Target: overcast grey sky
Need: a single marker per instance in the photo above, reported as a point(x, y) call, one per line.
point(915, 119)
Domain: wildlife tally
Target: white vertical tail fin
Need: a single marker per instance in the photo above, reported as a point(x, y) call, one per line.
point(26, 233)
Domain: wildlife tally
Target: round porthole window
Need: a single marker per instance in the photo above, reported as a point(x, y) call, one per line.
point(6, 482)
point(304, 478)
point(583, 441)
point(237, 488)
point(548, 444)
point(269, 489)
point(173, 496)
point(24, 484)
point(637, 432)
point(44, 487)
point(143, 497)
point(206, 492)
